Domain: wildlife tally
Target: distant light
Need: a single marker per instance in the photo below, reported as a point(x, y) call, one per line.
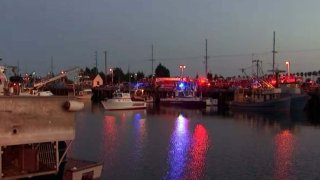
point(182, 66)
point(181, 85)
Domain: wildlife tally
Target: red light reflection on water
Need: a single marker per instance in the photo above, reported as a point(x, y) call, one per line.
point(198, 151)
point(284, 146)
point(110, 135)
point(179, 145)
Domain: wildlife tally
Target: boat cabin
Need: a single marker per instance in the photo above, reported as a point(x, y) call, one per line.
point(256, 95)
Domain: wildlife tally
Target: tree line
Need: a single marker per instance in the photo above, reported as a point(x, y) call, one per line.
point(119, 76)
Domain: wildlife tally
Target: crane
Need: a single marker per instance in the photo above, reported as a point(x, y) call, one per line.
point(64, 74)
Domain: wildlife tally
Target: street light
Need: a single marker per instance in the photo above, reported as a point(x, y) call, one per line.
point(111, 70)
point(288, 67)
point(182, 67)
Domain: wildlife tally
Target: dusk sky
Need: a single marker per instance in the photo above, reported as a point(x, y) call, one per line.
point(70, 31)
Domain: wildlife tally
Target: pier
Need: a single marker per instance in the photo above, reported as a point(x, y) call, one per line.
point(34, 133)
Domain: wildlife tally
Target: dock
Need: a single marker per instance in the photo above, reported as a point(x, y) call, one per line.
point(35, 134)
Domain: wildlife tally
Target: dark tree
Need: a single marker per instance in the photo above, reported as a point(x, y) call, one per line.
point(16, 79)
point(210, 77)
point(118, 75)
point(140, 75)
point(162, 71)
point(314, 73)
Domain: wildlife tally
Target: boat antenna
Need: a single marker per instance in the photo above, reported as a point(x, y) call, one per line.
point(257, 61)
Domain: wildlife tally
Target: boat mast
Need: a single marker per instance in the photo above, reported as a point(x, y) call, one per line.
point(152, 60)
point(273, 51)
point(206, 58)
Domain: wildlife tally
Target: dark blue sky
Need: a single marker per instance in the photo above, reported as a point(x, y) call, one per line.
point(71, 31)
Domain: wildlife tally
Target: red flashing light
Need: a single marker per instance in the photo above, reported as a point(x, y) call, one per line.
point(273, 82)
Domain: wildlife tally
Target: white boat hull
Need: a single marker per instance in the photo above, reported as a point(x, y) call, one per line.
point(113, 105)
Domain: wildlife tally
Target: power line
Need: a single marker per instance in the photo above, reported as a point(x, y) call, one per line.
point(235, 55)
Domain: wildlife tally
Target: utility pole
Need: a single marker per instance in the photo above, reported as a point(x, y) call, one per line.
point(51, 73)
point(152, 61)
point(206, 58)
point(105, 66)
point(273, 51)
point(96, 58)
point(18, 68)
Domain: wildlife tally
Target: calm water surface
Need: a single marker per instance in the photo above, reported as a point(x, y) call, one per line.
point(169, 143)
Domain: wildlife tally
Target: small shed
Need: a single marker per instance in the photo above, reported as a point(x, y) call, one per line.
point(97, 81)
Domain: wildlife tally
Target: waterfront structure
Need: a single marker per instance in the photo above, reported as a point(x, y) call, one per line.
point(35, 134)
point(97, 81)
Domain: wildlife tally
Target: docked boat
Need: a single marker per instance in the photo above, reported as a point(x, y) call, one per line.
point(122, 101)
point(85, 94)
point(211, 102)
point(184, 96)
point(139, 95)
point(34, 92)
point(299, 99)
point(260, 99)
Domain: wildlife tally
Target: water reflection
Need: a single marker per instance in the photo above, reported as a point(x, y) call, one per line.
point(118, 122)
point(169, 112)
point(284, 147)
point(283, 126)
point(272, 121)
point(110, 136)
point(179, 145)
point(198, 152)
point(164, 145)
point(140, 135)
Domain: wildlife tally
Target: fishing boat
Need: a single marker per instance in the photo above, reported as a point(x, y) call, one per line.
point(260, 98)
point(298, 98)
point(291, 86)
point(122, 101)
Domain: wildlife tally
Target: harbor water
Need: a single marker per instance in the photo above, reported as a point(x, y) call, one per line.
point(171, 143)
